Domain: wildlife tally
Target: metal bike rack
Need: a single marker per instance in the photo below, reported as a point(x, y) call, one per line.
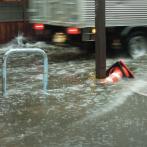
point(24, 50)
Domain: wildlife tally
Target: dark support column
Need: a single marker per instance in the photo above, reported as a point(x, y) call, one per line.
point(100, 47)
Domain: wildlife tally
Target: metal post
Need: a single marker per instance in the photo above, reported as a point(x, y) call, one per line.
point(24, 50)
point(100, 47)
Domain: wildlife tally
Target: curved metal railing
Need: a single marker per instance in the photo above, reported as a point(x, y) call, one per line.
point(24, 50)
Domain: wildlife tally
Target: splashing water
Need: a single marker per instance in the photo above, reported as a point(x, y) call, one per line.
point(76, 111)
point(22, 42)
point(117, 99)
point(139, 53)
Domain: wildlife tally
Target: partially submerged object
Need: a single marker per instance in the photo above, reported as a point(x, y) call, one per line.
point(116, 72)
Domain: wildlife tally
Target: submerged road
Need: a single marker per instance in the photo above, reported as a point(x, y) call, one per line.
point(77, 111)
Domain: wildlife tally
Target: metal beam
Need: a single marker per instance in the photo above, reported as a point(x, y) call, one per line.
point(100, 42)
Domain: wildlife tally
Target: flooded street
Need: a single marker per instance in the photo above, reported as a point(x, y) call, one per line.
point(77, 111)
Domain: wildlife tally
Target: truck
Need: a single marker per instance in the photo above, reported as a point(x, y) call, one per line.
point(73, 21)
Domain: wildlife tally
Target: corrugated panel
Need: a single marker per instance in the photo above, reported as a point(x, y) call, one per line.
point(11, 12)
point(9, 30)
point(63, 11)
point(54, 12)
point(118, 12)
point(37, 10)
point(82, 12)
point(88, 13)
point(127, 12)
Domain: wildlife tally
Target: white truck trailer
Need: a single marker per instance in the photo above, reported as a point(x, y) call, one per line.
point(74, 21)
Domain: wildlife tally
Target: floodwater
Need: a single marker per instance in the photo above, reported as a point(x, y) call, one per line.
point(77, 111)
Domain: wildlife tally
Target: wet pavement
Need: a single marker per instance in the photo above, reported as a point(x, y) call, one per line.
point(77, 111)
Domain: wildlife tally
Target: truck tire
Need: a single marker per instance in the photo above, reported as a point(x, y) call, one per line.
point(137, 45)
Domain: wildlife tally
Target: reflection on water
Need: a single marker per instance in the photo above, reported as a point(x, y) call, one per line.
point(77, 111)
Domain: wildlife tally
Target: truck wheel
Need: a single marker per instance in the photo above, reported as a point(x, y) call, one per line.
point(137, 45)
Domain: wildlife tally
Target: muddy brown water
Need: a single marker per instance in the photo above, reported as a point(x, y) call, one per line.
point(77, 111)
